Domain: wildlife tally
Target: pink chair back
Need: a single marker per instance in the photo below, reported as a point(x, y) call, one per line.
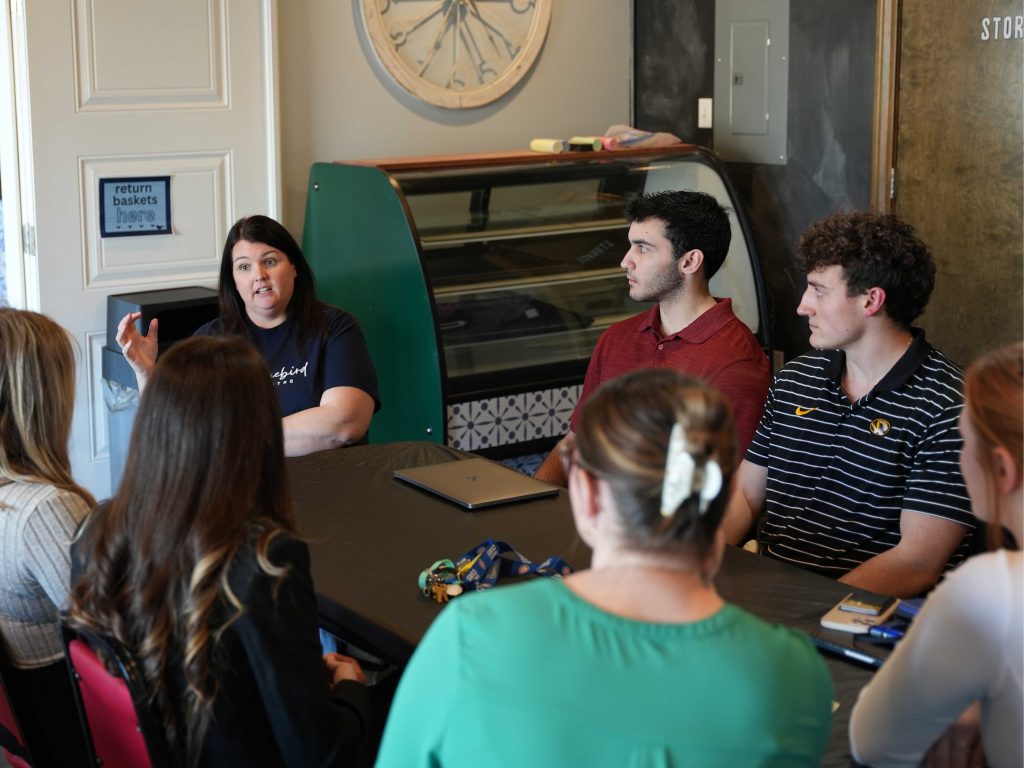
point(109, 710)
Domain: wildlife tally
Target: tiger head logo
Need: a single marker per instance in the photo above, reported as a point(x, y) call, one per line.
point(879, 427)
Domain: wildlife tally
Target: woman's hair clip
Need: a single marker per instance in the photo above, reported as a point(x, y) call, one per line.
point(683, 478)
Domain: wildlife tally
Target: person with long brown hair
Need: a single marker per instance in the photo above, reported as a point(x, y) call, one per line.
point(195, 567)
point(638, 660)
point(958, 673)
point(41, 505)
point(324, 377)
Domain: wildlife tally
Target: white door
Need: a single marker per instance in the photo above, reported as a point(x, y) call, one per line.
point(134, 88)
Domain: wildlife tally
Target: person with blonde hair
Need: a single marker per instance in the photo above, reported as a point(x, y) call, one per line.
point(637, 660)
point(958, 672)
point(195, 568)
point(41, 505)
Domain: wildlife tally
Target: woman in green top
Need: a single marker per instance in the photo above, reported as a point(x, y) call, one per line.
point(638, 660)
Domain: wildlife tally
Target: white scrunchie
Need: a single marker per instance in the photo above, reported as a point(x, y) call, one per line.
point(683, 478)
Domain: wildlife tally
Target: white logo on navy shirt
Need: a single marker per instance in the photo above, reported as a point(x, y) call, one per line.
point(287, 375)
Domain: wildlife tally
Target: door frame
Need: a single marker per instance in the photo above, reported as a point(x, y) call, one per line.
point(884, 112)
point(13, 83)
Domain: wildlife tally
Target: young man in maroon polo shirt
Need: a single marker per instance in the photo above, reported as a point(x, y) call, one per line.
point(678, 240)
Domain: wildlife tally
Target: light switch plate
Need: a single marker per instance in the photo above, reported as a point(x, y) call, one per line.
point(705, 110)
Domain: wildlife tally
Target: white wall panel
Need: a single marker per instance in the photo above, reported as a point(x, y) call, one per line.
point(200, 211)
point(150, 54)
point(99, 445)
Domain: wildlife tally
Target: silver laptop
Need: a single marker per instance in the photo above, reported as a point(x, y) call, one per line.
point(475, 483)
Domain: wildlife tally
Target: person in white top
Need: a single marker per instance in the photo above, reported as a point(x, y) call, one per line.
point(951, 694)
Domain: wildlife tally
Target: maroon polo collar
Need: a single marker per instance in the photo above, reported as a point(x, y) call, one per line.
point(701, 329)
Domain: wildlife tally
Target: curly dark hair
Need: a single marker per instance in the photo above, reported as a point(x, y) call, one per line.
point(692, 220)
point(874, 250)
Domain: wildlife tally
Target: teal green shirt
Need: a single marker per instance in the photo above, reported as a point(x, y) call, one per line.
point(534, 675)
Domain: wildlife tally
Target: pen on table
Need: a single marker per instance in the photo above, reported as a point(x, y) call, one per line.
point(889, 633)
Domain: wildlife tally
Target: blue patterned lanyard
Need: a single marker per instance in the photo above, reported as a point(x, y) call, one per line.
point(481, 567)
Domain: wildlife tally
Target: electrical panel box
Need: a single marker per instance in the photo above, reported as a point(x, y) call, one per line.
point(751, 80)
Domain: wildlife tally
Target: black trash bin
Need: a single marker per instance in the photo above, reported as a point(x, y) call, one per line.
point(180, 312)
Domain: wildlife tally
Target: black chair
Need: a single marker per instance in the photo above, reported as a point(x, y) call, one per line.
point(12, 740)
point(113, 706)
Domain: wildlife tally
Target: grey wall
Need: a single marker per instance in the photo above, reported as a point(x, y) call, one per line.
point(338, 103)
point(831, 82)
point(674, 47)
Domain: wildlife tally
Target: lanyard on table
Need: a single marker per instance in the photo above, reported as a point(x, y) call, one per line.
point(481, 567)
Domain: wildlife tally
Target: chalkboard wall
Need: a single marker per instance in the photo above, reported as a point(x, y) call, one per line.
point(831, 81)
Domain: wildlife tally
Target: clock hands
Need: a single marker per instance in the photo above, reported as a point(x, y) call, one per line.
point(450, 8)
point(454, 20)
point(456, 77)
point(461, 45)
point(400, 30)
point(512, 49)
point(479, 60)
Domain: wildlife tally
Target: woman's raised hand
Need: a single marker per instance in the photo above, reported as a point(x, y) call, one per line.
point(140, 351)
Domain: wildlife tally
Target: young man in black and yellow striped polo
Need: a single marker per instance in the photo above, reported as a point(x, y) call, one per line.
point(854, 468)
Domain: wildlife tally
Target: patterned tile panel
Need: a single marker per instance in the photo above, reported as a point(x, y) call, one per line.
point(509, 419)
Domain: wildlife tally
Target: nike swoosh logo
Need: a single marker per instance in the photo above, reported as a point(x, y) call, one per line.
point(803, 411)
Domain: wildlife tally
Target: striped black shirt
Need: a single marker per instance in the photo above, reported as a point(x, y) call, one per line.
point(840, 474)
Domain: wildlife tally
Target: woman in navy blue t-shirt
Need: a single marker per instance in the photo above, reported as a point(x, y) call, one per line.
point(321, 368)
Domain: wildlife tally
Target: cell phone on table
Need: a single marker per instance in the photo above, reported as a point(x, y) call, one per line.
point(857, 612)
point(867, 603)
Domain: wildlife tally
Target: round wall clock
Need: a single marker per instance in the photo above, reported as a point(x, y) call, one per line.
point(457, 53)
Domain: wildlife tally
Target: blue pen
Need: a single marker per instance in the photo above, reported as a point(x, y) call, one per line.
point(886, 632)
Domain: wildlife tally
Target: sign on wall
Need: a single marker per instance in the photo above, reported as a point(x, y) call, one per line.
point(135, 206)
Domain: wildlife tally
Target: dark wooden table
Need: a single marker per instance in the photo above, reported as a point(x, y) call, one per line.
point(370, 536)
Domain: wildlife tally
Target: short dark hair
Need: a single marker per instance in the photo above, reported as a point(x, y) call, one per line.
point(622, 437)
point(692, 220)
point(874, 250)
point(304, 305)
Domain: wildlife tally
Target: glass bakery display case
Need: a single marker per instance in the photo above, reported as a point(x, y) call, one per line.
point(482, 282)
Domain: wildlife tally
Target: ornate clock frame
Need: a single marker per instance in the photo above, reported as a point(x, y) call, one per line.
point(488, 51)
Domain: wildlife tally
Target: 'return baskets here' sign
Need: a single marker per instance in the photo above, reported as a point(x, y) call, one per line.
point(135, 206)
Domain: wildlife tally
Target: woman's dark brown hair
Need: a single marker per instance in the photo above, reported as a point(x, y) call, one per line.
point(205, 476)
point(304, 308)
point(622, 436)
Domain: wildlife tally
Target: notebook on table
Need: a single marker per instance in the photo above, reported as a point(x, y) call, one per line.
point(864, 649)
point(475, 483)
point(865, 631)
